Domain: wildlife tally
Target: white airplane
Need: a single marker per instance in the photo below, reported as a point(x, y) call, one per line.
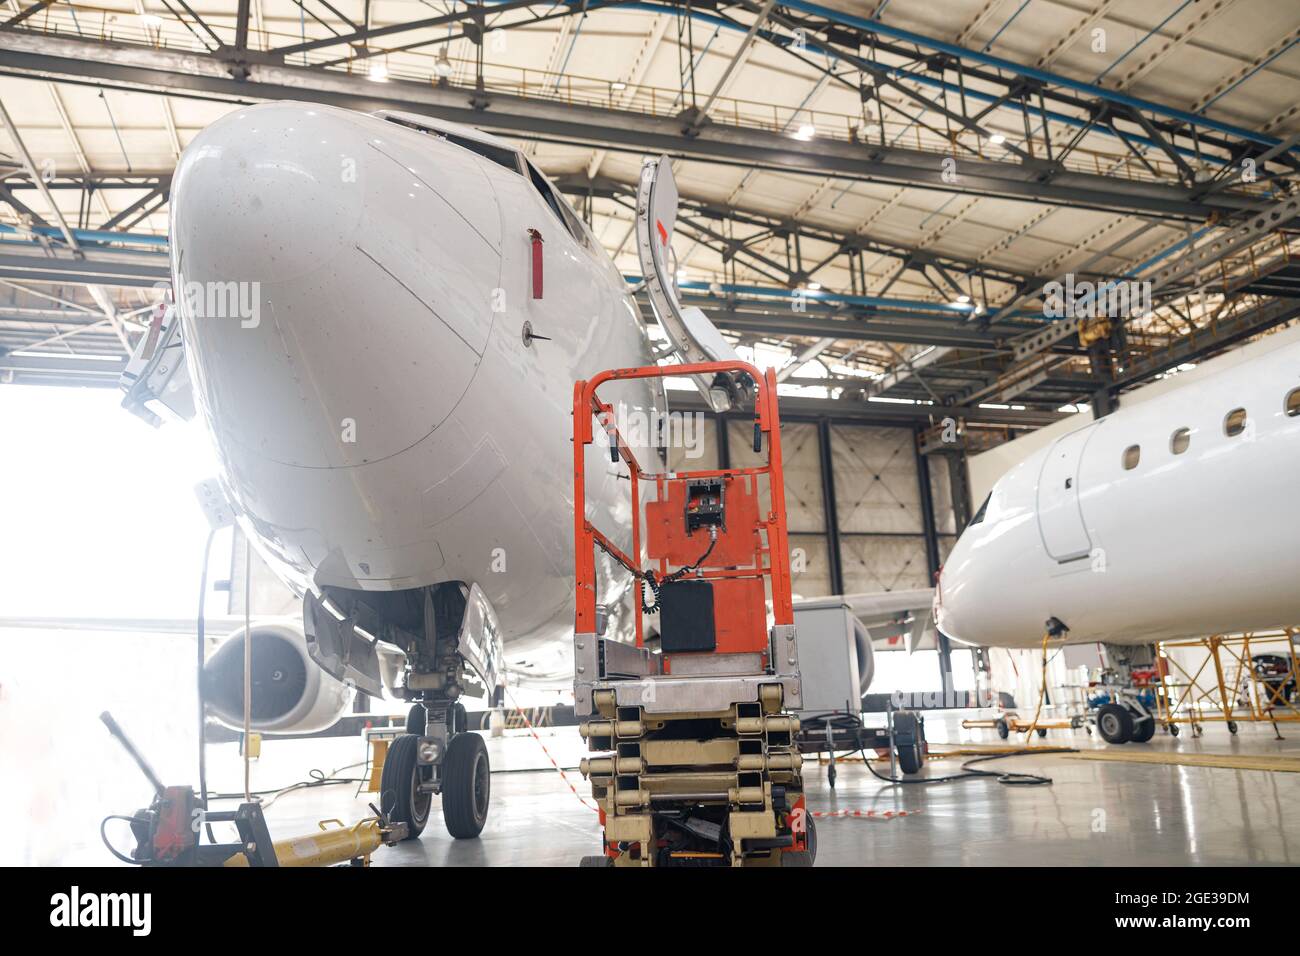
point(382, 318)
point(1174, 518)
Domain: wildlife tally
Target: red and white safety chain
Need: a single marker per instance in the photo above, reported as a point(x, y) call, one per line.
point(558, 769)
point(881, 814)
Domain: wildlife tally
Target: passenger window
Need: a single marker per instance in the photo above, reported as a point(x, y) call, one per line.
point(1235, 422)
point(1292, 405)
point(1132, 455)
point(1179, 441)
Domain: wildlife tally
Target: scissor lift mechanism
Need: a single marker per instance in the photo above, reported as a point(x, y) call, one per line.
point(695, 760)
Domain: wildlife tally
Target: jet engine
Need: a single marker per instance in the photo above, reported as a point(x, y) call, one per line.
point(866, 655)
point(290, 693)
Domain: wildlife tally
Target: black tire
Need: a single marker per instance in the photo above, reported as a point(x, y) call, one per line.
point(1042, 731)
point(1115, 723)
point(911, 758)
point(1232, 727)
point(399, 797)
point(1144, 730)
point(466, 786)
point(601, 861)
point(1173, 730)
point(1003, 728)
point(457, 719)
point(417, 720)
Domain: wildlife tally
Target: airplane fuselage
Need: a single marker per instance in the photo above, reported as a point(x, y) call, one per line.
point(383, 420)
point(1175, 518)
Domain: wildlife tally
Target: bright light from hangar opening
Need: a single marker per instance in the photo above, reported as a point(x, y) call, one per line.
point(104, 507)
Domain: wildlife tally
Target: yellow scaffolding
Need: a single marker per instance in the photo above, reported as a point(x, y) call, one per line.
point(1223, 683)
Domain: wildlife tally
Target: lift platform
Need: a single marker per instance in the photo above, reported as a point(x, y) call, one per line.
point(694, 760)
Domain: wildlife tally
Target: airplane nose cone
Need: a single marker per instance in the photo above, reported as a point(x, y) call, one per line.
point(269, 178)
point(335, 275)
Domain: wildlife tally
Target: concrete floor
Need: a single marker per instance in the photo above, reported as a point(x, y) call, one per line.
point(1094, 813)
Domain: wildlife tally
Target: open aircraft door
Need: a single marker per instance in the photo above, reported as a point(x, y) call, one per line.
point(694, 338)
point(1060, 517)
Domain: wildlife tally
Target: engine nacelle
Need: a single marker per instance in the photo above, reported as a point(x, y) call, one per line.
point(291, 694)
point(866, 655)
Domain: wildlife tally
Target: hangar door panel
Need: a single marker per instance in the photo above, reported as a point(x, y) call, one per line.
point(1060, 520)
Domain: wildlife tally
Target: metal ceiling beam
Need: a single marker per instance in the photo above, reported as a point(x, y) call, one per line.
point(1207, 342)
point(1191, 262)
point(607, 188)
point(911, 330)
point(185, 72)
point(30, 264)
point(889, 414)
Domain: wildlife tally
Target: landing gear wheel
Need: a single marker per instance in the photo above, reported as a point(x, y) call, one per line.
point(399, 794)
point(1115, 723)
point(1144, 730)
point(1042, 731)
point(1003, 728)
point(1232, 727)
point(466, 786)
point(417, 720)
point(803, 857)
point(457, 719)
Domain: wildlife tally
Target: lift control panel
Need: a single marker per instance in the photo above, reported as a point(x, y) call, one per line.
point(704, 504)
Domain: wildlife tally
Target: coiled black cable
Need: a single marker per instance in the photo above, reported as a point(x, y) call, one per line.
point(1009, 778)
point(648, 577)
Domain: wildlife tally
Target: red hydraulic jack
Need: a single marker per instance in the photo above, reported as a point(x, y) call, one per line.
point(695, 761)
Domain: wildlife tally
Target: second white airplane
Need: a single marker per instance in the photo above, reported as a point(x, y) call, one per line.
point(1178, 517)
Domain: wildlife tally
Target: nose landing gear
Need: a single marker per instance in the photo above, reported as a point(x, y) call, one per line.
point(451, 761)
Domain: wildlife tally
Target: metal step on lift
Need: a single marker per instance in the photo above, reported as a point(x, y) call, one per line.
point(695, 760)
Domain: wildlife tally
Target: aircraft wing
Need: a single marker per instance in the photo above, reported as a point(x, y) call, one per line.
point(896, 620)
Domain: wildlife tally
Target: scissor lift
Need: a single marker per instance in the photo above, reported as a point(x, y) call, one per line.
point(695, 760)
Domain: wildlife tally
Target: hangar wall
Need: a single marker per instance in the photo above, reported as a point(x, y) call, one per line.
point(854, 501)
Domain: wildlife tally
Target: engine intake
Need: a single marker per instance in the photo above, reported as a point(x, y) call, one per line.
point(290, 693)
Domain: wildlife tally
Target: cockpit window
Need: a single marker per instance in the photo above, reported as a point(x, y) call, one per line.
point(557, 204)
point(543, 187)
point(497, 154)
point(979, 515)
